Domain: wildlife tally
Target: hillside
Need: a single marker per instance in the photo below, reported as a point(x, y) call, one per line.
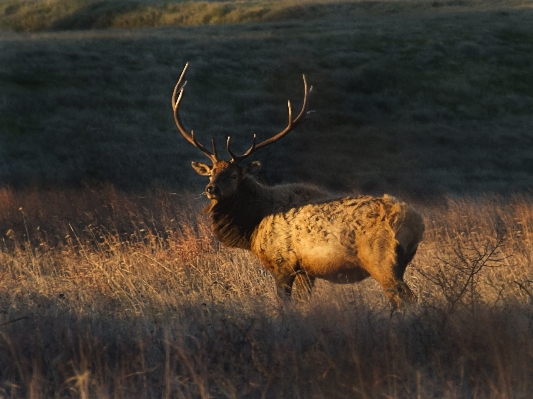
point(417, 98)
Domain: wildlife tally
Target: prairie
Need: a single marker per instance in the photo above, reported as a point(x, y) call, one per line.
point(108, 294)
point(111, 283)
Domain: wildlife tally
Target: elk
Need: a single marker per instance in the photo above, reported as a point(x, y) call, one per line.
point(298, 230)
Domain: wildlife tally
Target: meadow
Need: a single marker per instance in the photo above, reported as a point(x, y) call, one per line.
point(111, 282)
point(108, 295)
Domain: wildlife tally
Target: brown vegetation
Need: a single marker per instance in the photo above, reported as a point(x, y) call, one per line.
point(104, 294)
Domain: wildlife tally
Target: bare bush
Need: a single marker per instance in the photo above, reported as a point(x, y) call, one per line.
point(457, 277)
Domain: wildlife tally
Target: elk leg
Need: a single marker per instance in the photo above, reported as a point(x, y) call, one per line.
point(389, 275)
point(397, 292)
point(284, 283)
point(403, 258)
point(304, 284)
point(400, 294)
point(401, 290)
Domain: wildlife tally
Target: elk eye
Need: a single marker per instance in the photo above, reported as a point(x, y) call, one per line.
point(234, 176)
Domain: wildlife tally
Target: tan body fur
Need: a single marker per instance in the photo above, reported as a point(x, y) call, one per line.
point(297, 230)
point(342, 241)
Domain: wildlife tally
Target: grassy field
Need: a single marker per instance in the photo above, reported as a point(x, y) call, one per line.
point(413, 98)
point(113, 286)
point(108, 295)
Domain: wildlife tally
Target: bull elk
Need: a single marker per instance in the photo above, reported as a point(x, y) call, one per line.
point(299, 230)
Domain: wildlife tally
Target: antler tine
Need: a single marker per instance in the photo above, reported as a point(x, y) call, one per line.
point(292, 124)
point(303, 112)
point(239, 158)
point(214, 149)
point(176, 100)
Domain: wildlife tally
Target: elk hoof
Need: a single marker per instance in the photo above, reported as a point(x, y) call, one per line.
point(401, 294)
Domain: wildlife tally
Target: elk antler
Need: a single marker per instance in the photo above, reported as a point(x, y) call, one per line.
point(293, 123)
point(176, 99)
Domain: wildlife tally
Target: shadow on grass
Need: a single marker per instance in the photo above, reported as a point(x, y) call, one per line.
point(206, 350)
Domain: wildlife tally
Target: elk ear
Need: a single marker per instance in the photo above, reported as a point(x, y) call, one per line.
point(252, 168)
point(201, 168)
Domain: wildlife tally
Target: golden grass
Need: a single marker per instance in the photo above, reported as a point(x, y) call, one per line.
point(37, 15)
point(107, 294)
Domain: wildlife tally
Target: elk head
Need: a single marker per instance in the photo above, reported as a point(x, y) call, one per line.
point(225, 176)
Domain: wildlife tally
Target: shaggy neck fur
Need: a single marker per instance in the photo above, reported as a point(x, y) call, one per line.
point(234, 219)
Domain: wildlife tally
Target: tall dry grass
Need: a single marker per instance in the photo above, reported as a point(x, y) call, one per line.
point(111, 295)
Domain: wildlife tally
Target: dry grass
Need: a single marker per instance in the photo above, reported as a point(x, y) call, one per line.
point(37, 15)
point(107, 294)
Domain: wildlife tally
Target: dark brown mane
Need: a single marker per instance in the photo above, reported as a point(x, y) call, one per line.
point(235, 219)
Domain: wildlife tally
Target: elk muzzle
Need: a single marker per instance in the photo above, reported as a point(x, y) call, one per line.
point(212, 191)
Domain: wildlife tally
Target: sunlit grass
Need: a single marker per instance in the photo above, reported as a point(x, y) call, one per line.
point(107, 294)
point(36, 15)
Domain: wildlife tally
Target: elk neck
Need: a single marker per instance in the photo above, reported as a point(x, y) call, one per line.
point(234, 219)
